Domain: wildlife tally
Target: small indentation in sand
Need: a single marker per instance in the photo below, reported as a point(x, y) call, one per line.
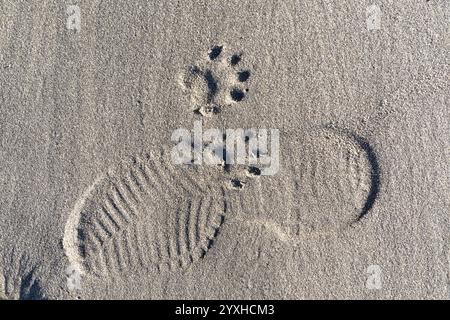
point(237, 184)
point(243, 75)
point(253, 171)
point(237, 94)
point(215, 52)
point(235, 59)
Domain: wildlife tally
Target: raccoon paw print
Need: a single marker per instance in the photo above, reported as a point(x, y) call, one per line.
point(218, 81)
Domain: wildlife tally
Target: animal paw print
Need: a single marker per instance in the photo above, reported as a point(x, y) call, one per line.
point(220, 81)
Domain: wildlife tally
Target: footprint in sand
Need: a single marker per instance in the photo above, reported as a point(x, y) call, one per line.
point(218, 81)
point(144, 216)
point(330, 181)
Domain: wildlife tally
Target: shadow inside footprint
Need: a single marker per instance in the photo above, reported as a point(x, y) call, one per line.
point(243, 75)
point(212, 85)
point(237, 95)
point(235, 59)
point(215, 52)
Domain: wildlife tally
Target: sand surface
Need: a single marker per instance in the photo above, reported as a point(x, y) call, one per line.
point(91, 205)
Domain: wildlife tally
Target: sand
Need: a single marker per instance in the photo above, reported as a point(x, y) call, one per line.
point(93, 206)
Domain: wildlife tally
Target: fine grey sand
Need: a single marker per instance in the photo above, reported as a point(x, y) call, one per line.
point(92, 205)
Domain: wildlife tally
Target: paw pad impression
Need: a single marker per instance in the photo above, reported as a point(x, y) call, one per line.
point(218, 81)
